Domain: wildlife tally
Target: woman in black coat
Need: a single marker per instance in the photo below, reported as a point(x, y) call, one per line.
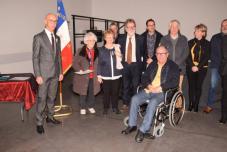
point(197, 64)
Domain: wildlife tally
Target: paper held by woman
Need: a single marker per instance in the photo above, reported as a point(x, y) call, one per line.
point(83, 72)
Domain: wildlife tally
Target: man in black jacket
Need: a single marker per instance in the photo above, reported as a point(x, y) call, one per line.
point(223, 72)
point(151, 39)
point(160, 76)
point(132, 59)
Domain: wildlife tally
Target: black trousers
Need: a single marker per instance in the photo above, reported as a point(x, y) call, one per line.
point(131, 80)
point(195, 82)
point(89, 99)
point(224, 98)
point(111, 93)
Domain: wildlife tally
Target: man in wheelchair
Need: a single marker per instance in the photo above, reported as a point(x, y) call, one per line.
point(159, 76)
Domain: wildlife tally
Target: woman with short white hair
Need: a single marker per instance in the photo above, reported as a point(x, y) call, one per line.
point(85, 81)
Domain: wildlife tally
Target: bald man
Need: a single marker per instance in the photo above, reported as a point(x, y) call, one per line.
point(47, 69)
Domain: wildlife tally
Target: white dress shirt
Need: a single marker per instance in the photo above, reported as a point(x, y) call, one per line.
point(49, 35)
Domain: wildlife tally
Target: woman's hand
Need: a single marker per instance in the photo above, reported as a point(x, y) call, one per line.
point(100, 80)
point(195, 69)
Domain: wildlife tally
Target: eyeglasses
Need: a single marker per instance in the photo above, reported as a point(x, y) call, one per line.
point(130, 27)
point(161, 53)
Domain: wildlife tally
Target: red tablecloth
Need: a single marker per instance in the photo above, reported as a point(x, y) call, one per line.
point(18, 91)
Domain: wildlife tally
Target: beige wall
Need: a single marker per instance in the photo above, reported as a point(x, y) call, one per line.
point(188, 12)
point(20, 20)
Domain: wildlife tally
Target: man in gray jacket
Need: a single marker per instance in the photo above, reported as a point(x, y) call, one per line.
point(47, 69)
point(177, 44)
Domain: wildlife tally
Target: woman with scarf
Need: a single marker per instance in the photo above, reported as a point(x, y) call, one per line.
point(197, 64)
point(85, 81)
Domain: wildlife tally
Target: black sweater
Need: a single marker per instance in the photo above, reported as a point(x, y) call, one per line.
point(204, 56)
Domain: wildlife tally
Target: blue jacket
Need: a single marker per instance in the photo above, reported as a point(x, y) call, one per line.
point(170, 75)
point(215, 55)
point(106, 68)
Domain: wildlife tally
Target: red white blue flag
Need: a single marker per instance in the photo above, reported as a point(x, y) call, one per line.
point(62, 30)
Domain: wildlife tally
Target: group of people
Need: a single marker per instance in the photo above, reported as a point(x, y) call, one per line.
point(124, 62)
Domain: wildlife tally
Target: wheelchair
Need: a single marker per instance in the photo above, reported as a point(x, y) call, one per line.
point(172, 108)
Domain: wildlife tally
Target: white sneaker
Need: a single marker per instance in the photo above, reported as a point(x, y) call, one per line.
point(82, 111)
point(91, 110)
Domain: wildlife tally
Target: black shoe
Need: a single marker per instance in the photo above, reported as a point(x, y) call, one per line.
point(105, 111)
point(190, 107)
point(148, 135)
point(40, 129)
point(128, 130)
point(139, 136)
point(53, 121)
point(196, 109)
point(222, 121)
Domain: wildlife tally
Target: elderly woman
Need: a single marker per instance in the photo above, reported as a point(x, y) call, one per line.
point(196, 65)
point(85, 81)
point(109, 72)
point(177, 44)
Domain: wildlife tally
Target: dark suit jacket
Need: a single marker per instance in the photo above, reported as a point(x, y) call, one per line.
point(140, 53)
point(157, 41)
point(46, 62)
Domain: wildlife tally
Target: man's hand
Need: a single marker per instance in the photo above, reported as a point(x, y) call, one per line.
point(39, 80)
point(152, 89)
point(60, 77)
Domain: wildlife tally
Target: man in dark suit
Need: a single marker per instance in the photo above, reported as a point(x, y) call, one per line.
point(151, 39)
point(133, 60)
point(47, 69)
point(223, 70)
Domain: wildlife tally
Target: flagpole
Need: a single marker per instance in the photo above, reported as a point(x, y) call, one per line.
point(60, 107)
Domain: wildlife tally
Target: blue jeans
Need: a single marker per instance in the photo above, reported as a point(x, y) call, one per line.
point(215, 77)
point(154, 100)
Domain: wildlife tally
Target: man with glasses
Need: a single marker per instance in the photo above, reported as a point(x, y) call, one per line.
point(160, 76)
point(46, 59)
point(133, 60)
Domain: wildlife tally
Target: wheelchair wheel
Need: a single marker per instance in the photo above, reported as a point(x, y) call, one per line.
point(176, 109)
point(159, 130)
point(125, 121)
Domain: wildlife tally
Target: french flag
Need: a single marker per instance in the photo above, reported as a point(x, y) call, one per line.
point(62, 30)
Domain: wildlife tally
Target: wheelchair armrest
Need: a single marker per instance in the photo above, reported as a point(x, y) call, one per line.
point(168, 91)
point(140, 87)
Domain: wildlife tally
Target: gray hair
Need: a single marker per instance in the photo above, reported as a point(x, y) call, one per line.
point(88, 36)
point(174, 21)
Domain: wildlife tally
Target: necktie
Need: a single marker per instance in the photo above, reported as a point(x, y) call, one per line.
point(129, 53)
point(52, 41)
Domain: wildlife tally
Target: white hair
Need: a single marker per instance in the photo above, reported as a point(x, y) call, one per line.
point(89, 36)
point(174, 21)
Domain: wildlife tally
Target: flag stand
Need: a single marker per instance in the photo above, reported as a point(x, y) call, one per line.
point(62, 110)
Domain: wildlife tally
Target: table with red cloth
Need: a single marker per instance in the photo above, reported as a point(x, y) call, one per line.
point(21, 91)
